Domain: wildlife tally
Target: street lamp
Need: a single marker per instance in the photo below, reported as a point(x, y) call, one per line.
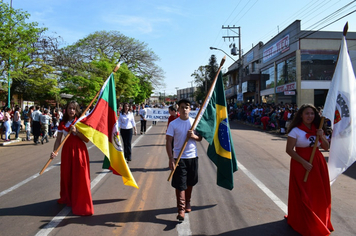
point(240, 80)
point(212, 48)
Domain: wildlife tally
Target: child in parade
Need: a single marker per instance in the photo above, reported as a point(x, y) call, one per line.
point(186, 173)
point(309, 203)
point(75, 171)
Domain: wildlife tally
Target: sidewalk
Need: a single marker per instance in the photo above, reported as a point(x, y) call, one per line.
point(22, 136)
point(271, 131)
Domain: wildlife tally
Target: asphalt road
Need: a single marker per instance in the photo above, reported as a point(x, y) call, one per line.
point(255, 206)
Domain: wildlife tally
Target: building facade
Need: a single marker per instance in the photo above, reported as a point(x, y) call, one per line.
point(293, 67)
point(188, 93)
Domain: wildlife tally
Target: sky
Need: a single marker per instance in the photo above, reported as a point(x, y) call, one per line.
point(181, 32)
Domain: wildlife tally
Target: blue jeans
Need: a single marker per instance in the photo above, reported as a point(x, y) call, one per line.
point(7, 129)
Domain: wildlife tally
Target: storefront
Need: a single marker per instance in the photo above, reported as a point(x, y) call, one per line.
point(300, 70)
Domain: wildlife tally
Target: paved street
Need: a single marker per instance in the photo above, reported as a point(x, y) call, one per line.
point(255, 206)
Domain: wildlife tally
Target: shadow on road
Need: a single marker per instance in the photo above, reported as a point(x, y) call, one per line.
point(351, 171)
point(46, 208)
point(114, 219)
point(148, 169)
point(150, 145)
point(278, 228)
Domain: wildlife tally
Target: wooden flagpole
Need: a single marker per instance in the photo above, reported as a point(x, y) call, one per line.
point(196, 119)
point(314, 149)
point(85, 111)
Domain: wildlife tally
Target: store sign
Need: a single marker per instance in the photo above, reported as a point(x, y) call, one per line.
point(286, 87)
point(230, 91)
point(240, 97)
point(276, 49)
point(289, 92)
point(244, 87)
point(249, 57)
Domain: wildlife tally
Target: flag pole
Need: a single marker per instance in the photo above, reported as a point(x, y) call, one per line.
point(85, 111)
point(196, 119)
point(314, 149)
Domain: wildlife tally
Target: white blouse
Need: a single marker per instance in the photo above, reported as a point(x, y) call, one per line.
point(127, 121)
point(300, 136)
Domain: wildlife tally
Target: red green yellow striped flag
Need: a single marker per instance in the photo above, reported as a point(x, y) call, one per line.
point(101, 127)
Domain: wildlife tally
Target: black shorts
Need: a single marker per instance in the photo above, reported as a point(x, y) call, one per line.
point(186, 174)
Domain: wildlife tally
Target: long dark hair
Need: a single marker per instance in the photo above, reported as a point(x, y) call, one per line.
point(123, 108)
point(297, 119)
point(78, 111)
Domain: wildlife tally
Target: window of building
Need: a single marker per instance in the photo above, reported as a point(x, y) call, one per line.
point(267, 78)
point(253, 66)
point(318, 66)
point(286, 71)
point(247, 71)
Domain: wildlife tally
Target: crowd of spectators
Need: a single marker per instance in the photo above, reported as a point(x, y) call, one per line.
point(14, 119)
point(268, 116)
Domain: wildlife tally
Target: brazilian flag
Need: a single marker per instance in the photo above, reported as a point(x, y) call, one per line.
point(214, 127)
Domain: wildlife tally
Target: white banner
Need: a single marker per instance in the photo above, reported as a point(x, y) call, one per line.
point(159, 114)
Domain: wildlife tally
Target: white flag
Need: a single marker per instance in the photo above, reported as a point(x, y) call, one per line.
point(340, 108)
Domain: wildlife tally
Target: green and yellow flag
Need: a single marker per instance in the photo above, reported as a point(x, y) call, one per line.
point(214, 127)
point(101, 127)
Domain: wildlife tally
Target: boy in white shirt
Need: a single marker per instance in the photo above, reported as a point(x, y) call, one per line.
point(45, 120)
point(186, 173)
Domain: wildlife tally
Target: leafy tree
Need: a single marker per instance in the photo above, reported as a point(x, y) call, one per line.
point(140, 61)
point(22, 53)
point(204, 76)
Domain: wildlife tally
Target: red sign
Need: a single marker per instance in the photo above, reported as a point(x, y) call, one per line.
point(286, 87)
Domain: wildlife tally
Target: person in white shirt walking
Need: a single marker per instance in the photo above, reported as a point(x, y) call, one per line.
point(45, 121)
point(186, 173)
point(36, 126)
point(127, 128)
point(143, 114)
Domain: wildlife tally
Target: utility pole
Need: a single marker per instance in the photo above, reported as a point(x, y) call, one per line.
point(233, 50)
point(8, 73)
point(238, 35)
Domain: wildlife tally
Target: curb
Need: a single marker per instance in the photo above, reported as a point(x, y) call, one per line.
point(275, 132)
point(9, 142)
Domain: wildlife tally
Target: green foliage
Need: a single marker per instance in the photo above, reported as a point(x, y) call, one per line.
point(21, 54)
point(40, 70)
point(96, 55)
point(204, 76)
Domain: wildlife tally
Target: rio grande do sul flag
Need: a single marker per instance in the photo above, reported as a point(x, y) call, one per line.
point(340, 108)
point(101, 127)
point(213, 125)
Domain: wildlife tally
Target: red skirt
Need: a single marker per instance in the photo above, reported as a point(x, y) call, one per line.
point(309, 203)
point(75, 177)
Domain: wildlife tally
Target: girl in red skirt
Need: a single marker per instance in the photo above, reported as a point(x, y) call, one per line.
point(309, 203)
point(75, 172)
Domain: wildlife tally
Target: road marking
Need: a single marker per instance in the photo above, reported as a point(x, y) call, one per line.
point(184, 227)
point(26, 180)
point(31, 178)
point(263, 187)
point(66, 210)
point(48, 169)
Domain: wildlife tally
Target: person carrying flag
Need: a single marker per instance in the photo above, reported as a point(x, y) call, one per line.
point(75, 171)
point(309, 203)
point(186, 173)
